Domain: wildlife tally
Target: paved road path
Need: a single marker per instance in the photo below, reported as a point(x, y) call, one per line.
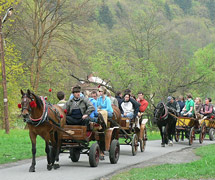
point(82, 171)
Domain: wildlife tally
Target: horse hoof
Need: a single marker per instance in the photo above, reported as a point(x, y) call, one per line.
point(49, 167)
point(56, 166)
point(162, 145)
point(32, 169)
point(170, 144)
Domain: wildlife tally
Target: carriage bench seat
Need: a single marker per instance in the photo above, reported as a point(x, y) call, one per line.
point(77, 132)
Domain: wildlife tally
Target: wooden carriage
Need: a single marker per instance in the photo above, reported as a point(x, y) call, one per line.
point(80, 140)
point(188, 127)
point(131, 134)
point(210, 127)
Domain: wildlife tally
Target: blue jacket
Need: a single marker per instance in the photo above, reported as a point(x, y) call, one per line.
point(95, 112)
point(104, 105)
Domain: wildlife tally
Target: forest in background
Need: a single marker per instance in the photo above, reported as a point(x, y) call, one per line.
point(160, 47)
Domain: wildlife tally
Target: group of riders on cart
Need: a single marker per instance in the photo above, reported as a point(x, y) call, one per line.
point(191, 108)
point(94, 106)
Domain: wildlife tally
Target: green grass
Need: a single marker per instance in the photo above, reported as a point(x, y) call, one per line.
point(203, 168)
point(17, 146)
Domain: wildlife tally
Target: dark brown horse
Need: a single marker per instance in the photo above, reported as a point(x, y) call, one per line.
point(165, 122)
point(45, 120)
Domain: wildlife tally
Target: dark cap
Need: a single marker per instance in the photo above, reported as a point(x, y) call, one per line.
point(76, 89)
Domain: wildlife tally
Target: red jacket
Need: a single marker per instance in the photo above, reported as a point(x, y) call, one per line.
point(143, 105)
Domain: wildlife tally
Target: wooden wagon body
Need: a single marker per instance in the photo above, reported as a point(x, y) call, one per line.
point(79, 140)
point(188, 127)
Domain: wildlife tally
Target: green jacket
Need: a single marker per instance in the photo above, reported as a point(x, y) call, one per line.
point(83, 104)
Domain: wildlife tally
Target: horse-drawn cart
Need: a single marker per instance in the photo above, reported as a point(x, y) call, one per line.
point(189, 126)
point(77, 140)
point(131, 134)
point(210, 127)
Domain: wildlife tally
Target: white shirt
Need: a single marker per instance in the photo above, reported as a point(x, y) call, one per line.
point(127, 107)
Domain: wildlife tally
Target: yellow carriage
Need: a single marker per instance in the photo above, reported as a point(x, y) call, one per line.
point(189, 126)
point(210, 127)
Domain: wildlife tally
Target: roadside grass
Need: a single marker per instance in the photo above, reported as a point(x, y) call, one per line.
point(200, 169)
point(17, 146)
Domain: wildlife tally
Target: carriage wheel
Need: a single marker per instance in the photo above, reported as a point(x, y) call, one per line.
point(74, 154)
point(211, 134)
point(177, 135)
point(134, 144)
point(94, 155)
point(114, 151)
point(202, 133)
point(192, 136)
point(143, 141)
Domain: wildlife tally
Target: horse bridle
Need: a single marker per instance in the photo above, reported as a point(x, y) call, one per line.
point(26, 103)
point(165, 112)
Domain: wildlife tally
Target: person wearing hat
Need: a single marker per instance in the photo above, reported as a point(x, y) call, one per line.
point(72, 95)
point(78, 108)
point(173, 105)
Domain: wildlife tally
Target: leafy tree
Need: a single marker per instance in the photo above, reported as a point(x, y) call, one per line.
point(168, 11)
point(105, 16)
point(185, 5)
point(211, 8)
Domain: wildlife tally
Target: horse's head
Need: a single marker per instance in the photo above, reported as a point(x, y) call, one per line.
point(27, 103)
point(160, 111)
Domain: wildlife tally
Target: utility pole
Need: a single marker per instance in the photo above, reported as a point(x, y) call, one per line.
point(4, 81)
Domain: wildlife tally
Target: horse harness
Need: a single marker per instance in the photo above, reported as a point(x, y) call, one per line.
point(44, 118)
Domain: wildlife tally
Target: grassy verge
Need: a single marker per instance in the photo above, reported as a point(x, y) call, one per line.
point(17, 146)
point(200, 169)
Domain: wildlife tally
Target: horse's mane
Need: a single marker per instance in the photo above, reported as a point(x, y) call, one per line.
point(38, 101)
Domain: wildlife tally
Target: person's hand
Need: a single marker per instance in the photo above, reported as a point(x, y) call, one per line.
point(84, 116)
point(185, 114)
point(125, 114)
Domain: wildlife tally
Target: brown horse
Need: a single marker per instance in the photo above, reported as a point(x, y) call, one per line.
point(116, 114)
point(45, 120)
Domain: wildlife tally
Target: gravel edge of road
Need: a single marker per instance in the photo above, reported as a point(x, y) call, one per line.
point(188, 153)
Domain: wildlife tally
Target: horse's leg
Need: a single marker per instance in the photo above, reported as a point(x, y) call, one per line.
point(49, 155)
point(170, 135)
point(57, 150)
point(162, 136)
point(33, 142)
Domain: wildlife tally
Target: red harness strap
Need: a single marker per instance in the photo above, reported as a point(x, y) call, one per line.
point(166, 112)
point(44, 107)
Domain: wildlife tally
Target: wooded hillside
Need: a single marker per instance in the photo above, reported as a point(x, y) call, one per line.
point(161, 47)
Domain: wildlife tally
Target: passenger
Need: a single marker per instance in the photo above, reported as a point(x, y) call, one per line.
point(142, 101)
point(61, 97)
point(198, 106)
point(188, 109)
point(112, 99)
point(173, 105)
point(94, 114)
point(207, 108)
point(94, 95)
point(78, 108)
point(181, 102)
point(129, 107)
point(118, 96)
point(104, 104)
point(128, 91)
point(71, 96)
